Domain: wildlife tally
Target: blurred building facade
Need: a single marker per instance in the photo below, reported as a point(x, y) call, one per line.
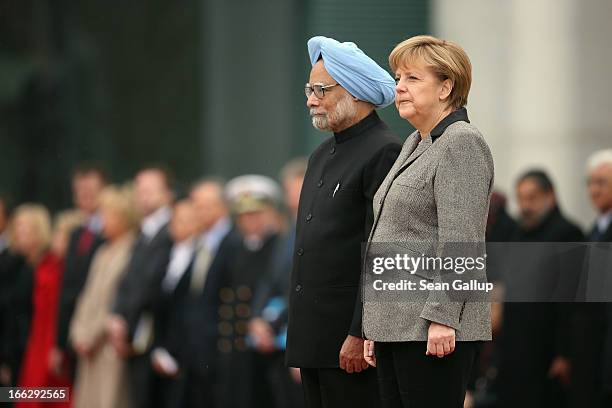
point(540, 92)
point(216, 87)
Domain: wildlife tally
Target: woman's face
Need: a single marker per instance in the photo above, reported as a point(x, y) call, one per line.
point(114, 223)
point(184, 222)
point(419, 93)
point(27, 238)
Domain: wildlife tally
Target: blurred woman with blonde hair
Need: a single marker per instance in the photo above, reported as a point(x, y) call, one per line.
point(31, 237)
point(101, 376)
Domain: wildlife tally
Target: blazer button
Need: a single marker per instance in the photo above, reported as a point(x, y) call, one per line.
point(300, 251)
point(333, 150)
point(320, 183)
point(309, 217)
point(298, 287)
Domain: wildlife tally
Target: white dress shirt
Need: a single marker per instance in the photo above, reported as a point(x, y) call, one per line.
point(154, 222)
point(180, 258)
point(603, 222)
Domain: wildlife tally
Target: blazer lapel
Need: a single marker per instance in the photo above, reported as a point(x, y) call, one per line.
point(419, 149)
point(408, 154)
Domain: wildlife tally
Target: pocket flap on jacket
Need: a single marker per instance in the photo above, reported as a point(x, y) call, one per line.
point(411, 182)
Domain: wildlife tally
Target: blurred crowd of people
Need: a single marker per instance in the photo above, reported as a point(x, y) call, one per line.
point(547, 354)
point(140, 297)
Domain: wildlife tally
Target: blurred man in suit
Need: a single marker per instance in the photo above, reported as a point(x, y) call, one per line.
point(542, 373)
point(88, 181)
point(131, 324)
point(592, 324)
point(186, 349)
point(600, 191)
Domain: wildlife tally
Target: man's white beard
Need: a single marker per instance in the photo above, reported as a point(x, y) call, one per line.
point(345, 110)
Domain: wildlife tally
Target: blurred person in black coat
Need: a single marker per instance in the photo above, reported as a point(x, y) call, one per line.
point(500, 228)
point(5, 255)
point(188, 302)
point(268, 327)
point(534, 368)
point(131, 325)
point(14, 274)
point(88, 180)
point(592, 323)
point(254, 201)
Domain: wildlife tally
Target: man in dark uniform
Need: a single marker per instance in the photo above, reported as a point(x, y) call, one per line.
point(254, 201)
point(334, 218)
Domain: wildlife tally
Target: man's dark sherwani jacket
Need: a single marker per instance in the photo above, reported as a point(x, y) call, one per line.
point(334, 219)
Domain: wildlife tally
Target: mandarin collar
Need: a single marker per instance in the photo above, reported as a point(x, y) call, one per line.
point(358, 128)
point(455, 116)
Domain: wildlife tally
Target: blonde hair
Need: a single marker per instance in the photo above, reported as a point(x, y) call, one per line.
point(121, 200)
point(39, 216)
point(445, 58)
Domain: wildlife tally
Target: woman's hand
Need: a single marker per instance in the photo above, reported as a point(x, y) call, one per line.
point(440, 340)
point(368, 352)
point(82, 349)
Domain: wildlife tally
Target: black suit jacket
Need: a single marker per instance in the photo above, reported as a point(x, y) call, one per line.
point(334, 218)
point(15, 309)
point(73, 280)
point(529, 372)
point(186, 322)
point(17, 279)
point(138, 287)
point(600, 317)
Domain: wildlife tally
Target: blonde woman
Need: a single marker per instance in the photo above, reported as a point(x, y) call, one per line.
point(32, 238)
point(101, 377)
point(435, 196)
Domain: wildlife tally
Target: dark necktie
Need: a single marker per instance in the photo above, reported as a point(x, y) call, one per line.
point(595, 235)
point(85, 240)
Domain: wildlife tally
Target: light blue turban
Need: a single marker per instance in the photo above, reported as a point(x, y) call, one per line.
point(359, 74)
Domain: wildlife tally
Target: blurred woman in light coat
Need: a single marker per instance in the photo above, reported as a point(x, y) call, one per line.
point(101, 374)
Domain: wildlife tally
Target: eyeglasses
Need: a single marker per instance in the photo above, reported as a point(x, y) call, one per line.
point(318, 89)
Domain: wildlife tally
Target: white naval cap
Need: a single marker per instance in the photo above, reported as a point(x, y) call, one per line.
point(252, 192)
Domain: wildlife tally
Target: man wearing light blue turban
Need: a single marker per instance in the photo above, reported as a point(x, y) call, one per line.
point(353, 70)
point(335, 216)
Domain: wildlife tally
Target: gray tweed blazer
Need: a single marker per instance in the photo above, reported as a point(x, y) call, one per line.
point(442, 197)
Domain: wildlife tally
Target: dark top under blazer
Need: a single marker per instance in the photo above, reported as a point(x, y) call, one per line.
point(334, 218)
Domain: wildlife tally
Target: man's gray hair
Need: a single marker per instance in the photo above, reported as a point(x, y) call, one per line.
point(599, 158)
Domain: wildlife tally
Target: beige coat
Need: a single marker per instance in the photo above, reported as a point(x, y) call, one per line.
point(101, 379)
